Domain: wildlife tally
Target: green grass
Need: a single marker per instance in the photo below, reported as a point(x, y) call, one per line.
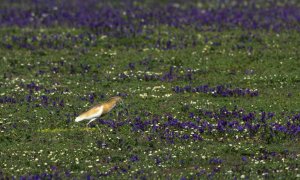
point(33, 139)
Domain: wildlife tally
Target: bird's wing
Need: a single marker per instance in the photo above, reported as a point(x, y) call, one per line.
point(91, 113)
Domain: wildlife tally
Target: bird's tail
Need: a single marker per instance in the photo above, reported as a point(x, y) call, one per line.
point(79, 119)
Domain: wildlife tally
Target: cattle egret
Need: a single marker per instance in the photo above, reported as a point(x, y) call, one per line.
point(99, 110)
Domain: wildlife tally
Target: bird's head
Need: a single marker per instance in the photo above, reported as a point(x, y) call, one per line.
point(116, 99)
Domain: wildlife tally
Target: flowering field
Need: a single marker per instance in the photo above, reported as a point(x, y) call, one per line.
point(211, 89)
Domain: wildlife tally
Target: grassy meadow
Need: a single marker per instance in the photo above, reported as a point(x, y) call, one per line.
point(211, 89)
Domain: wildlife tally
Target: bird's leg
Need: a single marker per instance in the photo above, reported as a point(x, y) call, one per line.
point(98, 128)
point(117, 114)
point(124, 107)
point(91, 121)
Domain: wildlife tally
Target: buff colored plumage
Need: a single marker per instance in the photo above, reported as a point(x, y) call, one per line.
point(99, 110)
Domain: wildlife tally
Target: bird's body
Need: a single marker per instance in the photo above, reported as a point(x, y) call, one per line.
point(99, 110)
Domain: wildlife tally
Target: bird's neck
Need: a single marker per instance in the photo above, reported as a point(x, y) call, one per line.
point(112, 102)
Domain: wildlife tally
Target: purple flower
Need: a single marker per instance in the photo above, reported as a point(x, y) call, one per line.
point(244, 159)
point(134, 158)
point(219, 90)
point(131, 66)
point(215, 161)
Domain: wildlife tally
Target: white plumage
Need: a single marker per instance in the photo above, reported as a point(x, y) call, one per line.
point(91, 117)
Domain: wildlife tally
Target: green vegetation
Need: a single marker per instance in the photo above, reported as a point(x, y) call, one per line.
point(211, 90)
